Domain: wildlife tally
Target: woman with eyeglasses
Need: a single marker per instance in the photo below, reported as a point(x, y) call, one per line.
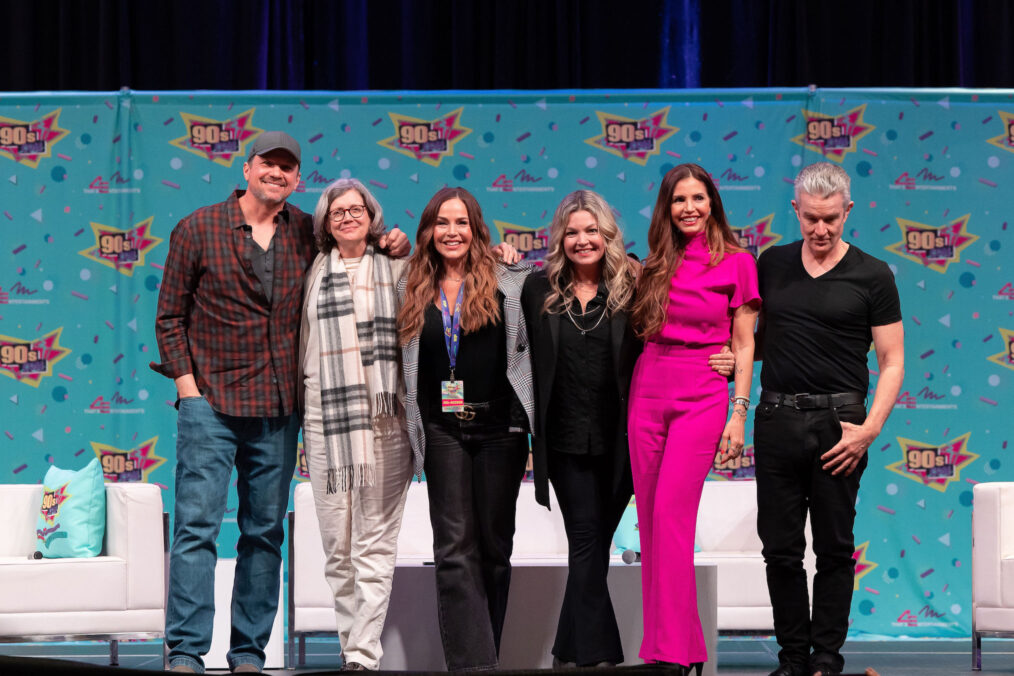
point(354, 432)
point(469, 405)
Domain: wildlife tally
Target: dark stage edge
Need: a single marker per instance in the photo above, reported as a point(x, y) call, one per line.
point(54, 667)
point(737, 656)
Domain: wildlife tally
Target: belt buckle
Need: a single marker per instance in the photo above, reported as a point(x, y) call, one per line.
point(468, 413)
point(800, 401)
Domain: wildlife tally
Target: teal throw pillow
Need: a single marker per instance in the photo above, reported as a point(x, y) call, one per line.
point(627, 535)
point(72, 519)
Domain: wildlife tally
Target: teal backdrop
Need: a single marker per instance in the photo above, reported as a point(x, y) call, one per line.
point(91, 185)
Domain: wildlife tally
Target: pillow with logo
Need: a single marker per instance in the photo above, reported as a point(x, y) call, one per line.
point(72, 519)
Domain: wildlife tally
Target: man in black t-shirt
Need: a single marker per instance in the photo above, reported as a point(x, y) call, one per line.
point(824, 302)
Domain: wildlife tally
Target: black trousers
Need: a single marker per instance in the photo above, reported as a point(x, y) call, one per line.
point(791, 481)
point(473, 474)
point(587, 633)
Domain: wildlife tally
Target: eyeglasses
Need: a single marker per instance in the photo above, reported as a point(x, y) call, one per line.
point(338, 215)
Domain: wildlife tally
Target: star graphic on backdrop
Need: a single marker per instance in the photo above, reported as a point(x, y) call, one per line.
point(532, 243)
point(140, 460)
point(428, 141)
point(1006, 139)
point(220, 141)
point(302, 471)
point(742, 468)
point(19, 140)
point(634, 140)
point(863, 565)
point(1005, 357)
point(122, 250)
point(931, 464)
point(948, 242)
point(757, 236)
point(47, 349)
point(850, 126)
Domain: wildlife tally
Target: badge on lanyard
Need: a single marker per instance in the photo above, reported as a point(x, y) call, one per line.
point(452, 396)
point(452, 391)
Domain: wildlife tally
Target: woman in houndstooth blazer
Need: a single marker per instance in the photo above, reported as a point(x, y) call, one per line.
point(461, 324)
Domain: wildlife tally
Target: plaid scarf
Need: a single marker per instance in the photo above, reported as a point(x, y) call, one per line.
point(358, 364)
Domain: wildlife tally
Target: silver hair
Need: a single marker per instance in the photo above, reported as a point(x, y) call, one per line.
point(322, 231)
point(822, 180)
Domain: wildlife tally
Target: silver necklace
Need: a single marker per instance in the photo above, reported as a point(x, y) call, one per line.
point(584, 329)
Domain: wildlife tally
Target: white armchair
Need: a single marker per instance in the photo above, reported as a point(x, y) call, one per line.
point(992, 564)
point(119, 594)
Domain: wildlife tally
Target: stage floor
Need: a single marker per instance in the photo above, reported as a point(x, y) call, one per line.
point(736, 656)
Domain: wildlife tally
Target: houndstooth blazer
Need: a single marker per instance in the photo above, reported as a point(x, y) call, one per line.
point(510, 280)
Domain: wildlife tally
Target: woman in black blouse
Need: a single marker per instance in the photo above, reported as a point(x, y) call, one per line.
point(583, 354)
point(469, 407)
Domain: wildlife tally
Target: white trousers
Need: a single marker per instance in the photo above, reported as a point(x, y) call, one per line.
point(359, 530)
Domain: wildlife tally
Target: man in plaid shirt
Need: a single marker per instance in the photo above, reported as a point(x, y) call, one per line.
point(227, 328)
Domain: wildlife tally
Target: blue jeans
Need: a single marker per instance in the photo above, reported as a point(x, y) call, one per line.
point(208, 445)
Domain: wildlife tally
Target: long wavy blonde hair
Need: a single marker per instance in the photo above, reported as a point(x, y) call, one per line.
point(615, 265)
point(666, 245)
point(425, 268)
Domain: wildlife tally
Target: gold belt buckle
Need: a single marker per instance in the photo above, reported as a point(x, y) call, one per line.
point(467, 414)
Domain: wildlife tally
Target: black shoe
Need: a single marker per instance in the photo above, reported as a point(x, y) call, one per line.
point(682, 670)
point(823, 670)
point(785, 670)
point(353, 666)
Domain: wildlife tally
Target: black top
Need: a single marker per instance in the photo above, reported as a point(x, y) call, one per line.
point(544, 338)
point(583, 413)
point(482, 361)
point(261, 260)
point(815, 332)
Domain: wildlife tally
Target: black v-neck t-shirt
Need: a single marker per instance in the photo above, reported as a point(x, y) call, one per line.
point(817, 331)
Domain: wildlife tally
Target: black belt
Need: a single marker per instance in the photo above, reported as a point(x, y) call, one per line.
point(806, 400)
point(485, 410)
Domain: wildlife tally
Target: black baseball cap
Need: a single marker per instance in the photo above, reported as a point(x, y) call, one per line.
point(274, 140)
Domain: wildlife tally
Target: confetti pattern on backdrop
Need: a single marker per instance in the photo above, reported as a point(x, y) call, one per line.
point(91, 186)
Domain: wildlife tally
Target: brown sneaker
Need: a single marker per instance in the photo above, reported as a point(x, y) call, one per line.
point(246, 668)
point(183, 669)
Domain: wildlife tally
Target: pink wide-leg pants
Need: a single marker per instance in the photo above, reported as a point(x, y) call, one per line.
point(678, 409)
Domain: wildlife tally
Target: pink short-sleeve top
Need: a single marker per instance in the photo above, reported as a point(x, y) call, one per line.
point(703, 297)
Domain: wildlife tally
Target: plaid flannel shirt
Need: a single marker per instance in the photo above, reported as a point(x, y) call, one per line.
point(214, 320)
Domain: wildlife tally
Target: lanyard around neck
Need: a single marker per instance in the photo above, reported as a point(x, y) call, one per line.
point(452, 326)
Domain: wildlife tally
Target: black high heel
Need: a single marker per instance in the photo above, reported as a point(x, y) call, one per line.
point(682, 670)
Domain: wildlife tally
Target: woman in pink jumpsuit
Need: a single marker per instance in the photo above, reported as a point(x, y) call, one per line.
point(698, 290)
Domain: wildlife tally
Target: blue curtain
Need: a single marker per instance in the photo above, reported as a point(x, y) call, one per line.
point(503, 44)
